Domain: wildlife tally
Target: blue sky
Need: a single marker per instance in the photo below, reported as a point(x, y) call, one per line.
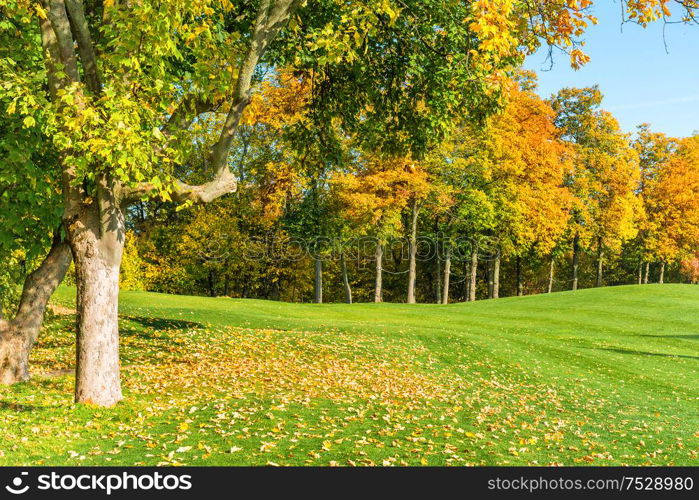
point(641, 79)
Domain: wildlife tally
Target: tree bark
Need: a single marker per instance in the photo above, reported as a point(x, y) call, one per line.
point(646, 273)
point(412, 243)
point(378, 288)
point(549, 288)
point(17, 336)
point(473, 273)
point(600, 262)
point(345, 279)
point(576, 260)
point(489, 273)
point(640, 272)
point(438, 279)
point(520, 286)
point(447, 276)
point(318, 286)
point(496, 277)
point(96, 236)
point(661, 276)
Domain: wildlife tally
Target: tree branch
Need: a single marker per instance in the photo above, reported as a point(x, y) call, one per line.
point(64, 39)
point(81, 33)
point(271, 17)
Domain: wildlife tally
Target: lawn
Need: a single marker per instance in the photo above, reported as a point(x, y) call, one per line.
point(594, 377)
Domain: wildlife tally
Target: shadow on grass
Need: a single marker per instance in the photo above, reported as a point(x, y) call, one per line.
point(683, 337)
point(160, 323)
point(153, 325)
point(17, 407)
point(642, 353)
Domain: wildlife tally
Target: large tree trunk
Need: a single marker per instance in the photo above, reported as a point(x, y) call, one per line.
point(378, 288)
point(473, 273)
point(496, 277)
point(576, 260)
point(18, 335)
point(520, 285)
point(412, 270)
point(646, 273)
point(661, 276)
point(552, 263)
point(600, 262)
point(345, 279)
point(318, 284)
point(96, 236)
point(447, 275)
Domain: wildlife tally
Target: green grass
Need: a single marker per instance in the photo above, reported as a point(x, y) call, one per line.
point(604, 377)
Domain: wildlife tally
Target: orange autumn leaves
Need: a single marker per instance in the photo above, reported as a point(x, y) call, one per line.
point(672, 225)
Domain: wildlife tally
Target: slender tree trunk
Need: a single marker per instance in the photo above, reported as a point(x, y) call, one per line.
point(211, 283)
point(520, 285)
point(576, 260)
point(378, 288)
point(18, 335)
point(318, 288)
point(489, 276)
point(646, 273)
point(473, 273)
point(96, 237)
point(552, 263)
point(661, 276)
point(600, 262)
point(412, 266)
point(447, 276)
point(640, 272)
point(226, 284)
point(438, 280)
point(496, 277)
point(345, 279)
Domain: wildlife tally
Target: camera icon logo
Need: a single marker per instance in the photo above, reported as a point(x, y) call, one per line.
point(16, 488)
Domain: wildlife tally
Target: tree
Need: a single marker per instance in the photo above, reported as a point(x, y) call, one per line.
point(654, 151)
point(604, 178)
point(673, 205)
point(118, 89)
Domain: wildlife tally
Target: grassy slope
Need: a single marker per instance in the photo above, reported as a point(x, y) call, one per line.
point(604, 376)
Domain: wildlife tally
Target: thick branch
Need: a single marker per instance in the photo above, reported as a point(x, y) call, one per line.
point(224, 183)
point(271, 17)
point(52, 56)
point(81, 33)
point(40, 285)
point(64, 38)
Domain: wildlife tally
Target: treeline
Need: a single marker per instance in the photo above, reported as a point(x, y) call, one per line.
point(546, 195)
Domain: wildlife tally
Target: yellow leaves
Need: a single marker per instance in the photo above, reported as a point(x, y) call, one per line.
point(647, 11)
point(184, 426)
point(578, 58)
point(41, 12)
point(267, 447)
